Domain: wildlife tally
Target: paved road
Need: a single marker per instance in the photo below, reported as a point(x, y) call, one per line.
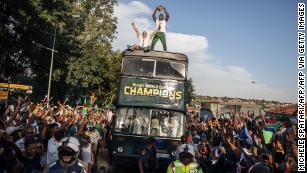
point(103, 160)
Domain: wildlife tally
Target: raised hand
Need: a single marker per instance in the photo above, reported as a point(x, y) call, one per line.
point(19, 99)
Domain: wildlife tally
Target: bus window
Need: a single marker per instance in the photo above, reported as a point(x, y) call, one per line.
point(133, 120)
point(138, 67)
point(165, 123)
point(162, 122)
point(170, 69)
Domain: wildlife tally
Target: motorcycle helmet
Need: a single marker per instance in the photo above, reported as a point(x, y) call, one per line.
point(70, 146)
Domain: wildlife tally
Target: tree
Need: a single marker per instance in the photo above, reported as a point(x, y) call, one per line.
point(190, 90)
point(85, 30)
point(24, 23)
point(98, 68)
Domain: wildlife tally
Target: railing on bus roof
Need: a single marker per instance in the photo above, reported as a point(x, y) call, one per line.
point(158, 54)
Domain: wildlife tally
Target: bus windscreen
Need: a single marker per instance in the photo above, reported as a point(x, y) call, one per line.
point(155, 122)
point(167, 69)
point(154, 68)
point(138, 67)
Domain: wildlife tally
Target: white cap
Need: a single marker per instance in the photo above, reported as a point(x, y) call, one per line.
point(12, 129)
point(187, 148)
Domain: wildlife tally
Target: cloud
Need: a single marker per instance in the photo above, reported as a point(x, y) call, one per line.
point(136, 12)
point(210, 76)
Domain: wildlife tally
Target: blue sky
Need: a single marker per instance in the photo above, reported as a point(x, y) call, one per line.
point(255, 39)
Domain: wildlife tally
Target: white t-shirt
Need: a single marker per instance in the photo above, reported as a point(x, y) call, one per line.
point(52, 150)
point(87, 154)
point(21, 144)
point(162, 25)
point(95, 136)
point(143, 42)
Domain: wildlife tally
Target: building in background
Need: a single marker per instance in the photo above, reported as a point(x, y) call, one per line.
point(220, 107)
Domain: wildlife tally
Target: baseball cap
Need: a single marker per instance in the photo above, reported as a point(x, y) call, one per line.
point(12, 129)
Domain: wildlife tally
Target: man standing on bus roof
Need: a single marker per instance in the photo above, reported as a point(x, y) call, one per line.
point(147, 160)
point(160, 27)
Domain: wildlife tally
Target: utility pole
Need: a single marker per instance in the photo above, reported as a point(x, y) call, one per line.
point(52, 56)
point(51, 65)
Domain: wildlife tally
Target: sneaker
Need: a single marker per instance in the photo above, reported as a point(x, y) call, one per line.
point(146, 50)
point(129, 48)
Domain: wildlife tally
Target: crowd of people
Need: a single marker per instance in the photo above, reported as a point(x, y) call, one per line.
point(35, 136)
point(45, 137)
point(241, 143)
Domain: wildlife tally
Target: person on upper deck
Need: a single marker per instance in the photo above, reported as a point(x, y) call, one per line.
point(159, 34)
point(144, 40)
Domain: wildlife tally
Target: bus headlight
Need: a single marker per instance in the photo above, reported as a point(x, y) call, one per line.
point(120, 149)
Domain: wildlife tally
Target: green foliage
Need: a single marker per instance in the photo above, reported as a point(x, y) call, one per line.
point(97, 71)
point(84, 32)
point(190, 91)
point(98, 67)
point(26, 22)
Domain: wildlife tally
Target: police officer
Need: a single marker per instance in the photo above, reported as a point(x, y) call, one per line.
point(68, 158)
point(147, 160)
point(185, 164)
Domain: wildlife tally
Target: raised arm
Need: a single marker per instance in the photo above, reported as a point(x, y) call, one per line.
point(166, 14)
point(135, 29)
point(231, 145)
point(13, 116)
point(154, 14)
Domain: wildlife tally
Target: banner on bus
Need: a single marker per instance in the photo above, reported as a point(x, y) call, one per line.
point(152, 93)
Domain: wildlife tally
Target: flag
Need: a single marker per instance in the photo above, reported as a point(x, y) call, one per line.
point(275, 125)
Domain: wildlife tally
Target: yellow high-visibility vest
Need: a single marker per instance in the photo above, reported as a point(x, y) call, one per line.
point(178, 167)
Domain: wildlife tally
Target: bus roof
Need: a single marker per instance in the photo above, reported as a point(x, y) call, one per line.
point(158, 54)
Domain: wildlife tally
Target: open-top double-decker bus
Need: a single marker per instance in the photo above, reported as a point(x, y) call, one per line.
point(151, 102)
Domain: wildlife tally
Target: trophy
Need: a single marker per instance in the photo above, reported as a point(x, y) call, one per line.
point(160, 8)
